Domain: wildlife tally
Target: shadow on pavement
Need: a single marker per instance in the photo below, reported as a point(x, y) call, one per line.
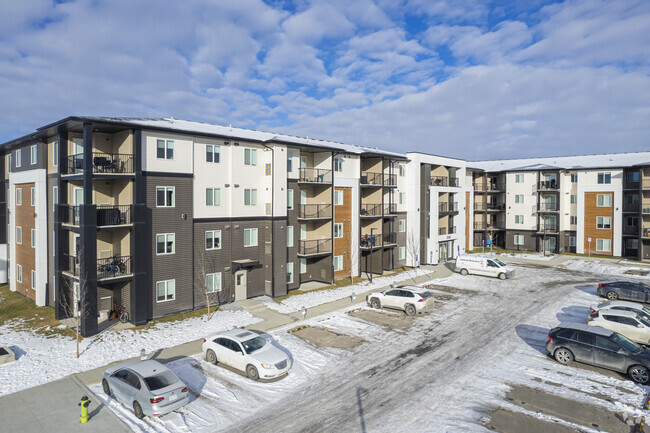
point(587, 288)
point(534, 336)
point(573, 314)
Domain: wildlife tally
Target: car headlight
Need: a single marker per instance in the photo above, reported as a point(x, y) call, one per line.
point(267, 365)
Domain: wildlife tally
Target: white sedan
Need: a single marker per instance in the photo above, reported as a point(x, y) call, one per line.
point(248, 352)
point(639, 309)
point(626, 323)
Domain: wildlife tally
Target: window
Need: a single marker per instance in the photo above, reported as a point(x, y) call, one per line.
point(213, 282)
point(289, 161)
point(519, 239)
point(632, 221)
point(402, 253)
point(519, 178)
point(604, 200)
point(212, 196)
point(338, 165)
point(250, 197)
point(165, 149)
point(165, 243)
point(402, 226)
point(303, 266)
point(303, 231)
point(402, 170)
point(19, 235)
point(289, 273)
point(19, 157)
point(165, 196)
point(338, 230)
point(632, 244)
point(250, 237)
point(338, 263)
point(289, 236)
point(33, 238)
point(212, 153)
point(34, 280)
point(401, 198)
point(574, 220)
point(604, 222)
point(289, 199)
point(32, 195)
point(213, 240)
point(633, 199)
point(55, 196)
point(55, 153)
point(572, 241)
point(519, 219)
point(519, 198)
point(33, 155)
point(19, 196)
point(338, 198)
point(605, 177)
point(574, 198)
point(250, 156)
point(165, 290)
point(603, 245)
point(574, 177)
point(19, 273)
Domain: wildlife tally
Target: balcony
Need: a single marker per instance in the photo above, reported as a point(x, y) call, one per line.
point(70, 265)
point(369, 210)
point(631, 184)
point(631, 207)
point(315, 211)
point(547, 227)
point(315, 247)
point(630, 231)
point(444, 181)
point(370, 242)
point(103, 163)
point(390, 180)
point(390, 209)
point(479, 187)
point(447, 207)
point(369, 178)
point(548, 185)
point(498, 225)
point(645, 211)
point(446, 231)
point(315, 175)
point(645, 184)
point(390, 239)
point(107, 215)
point(114, 267)
point(480, 206)
point(547, 207)
point(645, 233)
point(496, 207)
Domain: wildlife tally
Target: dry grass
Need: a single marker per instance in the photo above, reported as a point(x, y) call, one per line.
point(177, 317)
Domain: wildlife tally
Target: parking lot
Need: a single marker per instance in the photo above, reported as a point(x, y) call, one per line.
point(476, 362)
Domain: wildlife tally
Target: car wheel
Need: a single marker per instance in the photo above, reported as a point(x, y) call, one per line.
point(374, 303)
point(639, 374)
point(137, 409)
point(107, 388)
point(502, 276)
point(211, 357)
point(463, 272)
point(563, 356)
point(251, 371)
point(124, 317)
point(409, 309)
point(612, 296)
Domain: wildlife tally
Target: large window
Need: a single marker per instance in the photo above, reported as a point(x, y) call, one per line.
point(250, 156)
point(603, 245)
point(250, 237)
point(519, 178)
point(402, 198)
point(338, 230)
point(303, 266)
point(165, 196)
point(212, 153)
point(519, 239)
point(19, 273)
point(165, 149)
point(166, 243)
point(402, 226)
point(603, 222)
point(289, 273)
point(289, 236)
point(574, 198)
point(55, 153)
point(572, 241)
point(213, 282)
point(338, 198)
point(338, 164)
point(19, 196)
point(213, 196)
point(519, 219)
point(402, 170)
point(519, 198)
point(33, 238)
point(250, 197)
point(213, 240)
point(605, 177)
point(574, 220)
point(33, 155)
point(19, 235)
point(632, 199)
point(289, 199)
point(338, 263)
point(32, 195)
point(289, 162)
point(19, 157)
point(34, 280)
point(165, 290)
point(574, 177)
point(55, 197)
point(604, 200)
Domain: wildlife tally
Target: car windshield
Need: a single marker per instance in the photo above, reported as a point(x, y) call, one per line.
point(643, 320)
point(499, 262)
point(253, 344)
point(160, 380)
point(625, 343)
point(646, 310)
point(425, 295)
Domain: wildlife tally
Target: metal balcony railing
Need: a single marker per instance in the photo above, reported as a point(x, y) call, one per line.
point(496, 206)
point(548, 207)
point(480, 226)
point(314, 211)
point(69, 214)
point(645, 210)
point(390, 239)
point(547, 227)
point(448, 207)
point(631, 207)
point(480, 206)
point(315, 175)
point(645, 232)
point(370, 210)
point(546, 185)
point(368, 241)
point(113, 215)
point(318, 246)
point(494, 187)
point(116, 266)
point(371, 178)
point(633, 231)
point(390, 208)
point(631, 184)
point(70, 264)
point(107, 163)
point(479, 187)
point(390, 180)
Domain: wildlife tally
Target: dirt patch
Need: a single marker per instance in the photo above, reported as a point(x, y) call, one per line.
point(504, 421)
point(387, 320)
point(324, 337)
point(449, 289)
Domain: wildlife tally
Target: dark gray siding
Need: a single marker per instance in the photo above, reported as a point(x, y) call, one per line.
point(564, 242)
point(377, 262)
point(211, 261)
point(255, 278)
point(318, 269)
point(25, 160)
point(530, 240)
point(292, 252)
point(52, 181)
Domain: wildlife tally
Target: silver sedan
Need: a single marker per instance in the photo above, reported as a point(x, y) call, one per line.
point(148, 387)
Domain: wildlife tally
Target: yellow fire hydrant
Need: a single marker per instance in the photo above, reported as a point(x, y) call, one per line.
point(85, 402)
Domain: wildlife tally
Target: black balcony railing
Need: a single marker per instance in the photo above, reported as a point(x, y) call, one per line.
point(370, 241)
point(448, 207)
point(633, 230)
point(70, 264)
point(496, 206)
point(442, 231)
point(480, 226)
point(116, 266)
point(631, 184)
point(113, 215)
point(645, 210)
point(548, 207)
point(108, 163)
point(547, 227)
point(480, 206)
point(548, 185)
point(645, 232)
point(390, 209)
point(631, 207)
point(390, 180)
point(645, 184)
point(315, 175)
point(315, 211)
point(73, 164)
point(371, 178)
point(319, 246)
point(370, 210)
point(439, 181)
point(69, 214)
point(390, 239)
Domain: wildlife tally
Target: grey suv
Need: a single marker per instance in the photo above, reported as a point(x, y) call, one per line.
point(600, 347)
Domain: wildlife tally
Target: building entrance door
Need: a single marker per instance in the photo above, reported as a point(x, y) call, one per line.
point(240, 285)
point(443, 252)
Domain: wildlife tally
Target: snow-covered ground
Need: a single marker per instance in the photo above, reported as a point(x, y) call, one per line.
point(41, 359)
point(529, 256)
point(605, 267)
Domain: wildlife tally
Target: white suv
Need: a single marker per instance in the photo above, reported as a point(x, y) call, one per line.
point(410, 299)
point(627, 323)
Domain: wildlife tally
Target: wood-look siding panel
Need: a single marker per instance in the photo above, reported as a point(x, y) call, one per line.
point(592, 210)
point(25, 254)
point(343, 214)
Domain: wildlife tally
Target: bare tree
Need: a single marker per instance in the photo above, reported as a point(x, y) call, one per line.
point(206, 269)
point(353, 253)
point(72, 298)
point(413, 249)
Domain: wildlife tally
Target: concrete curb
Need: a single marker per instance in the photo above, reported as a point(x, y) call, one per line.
point(290, 331)
point(353, 310)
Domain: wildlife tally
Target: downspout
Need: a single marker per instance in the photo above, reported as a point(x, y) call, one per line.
point(272, 214)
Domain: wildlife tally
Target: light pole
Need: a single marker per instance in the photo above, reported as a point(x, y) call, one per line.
point(372, 243)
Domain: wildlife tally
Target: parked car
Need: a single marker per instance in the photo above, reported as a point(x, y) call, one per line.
point(479, 265)
point(628, 290)
point(600, 347)
point(248, 352)
point(626, 323)
point(410, 299)
point(639, 309)
point(148, 387)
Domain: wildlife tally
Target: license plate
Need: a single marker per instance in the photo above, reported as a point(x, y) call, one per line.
point(173, 397)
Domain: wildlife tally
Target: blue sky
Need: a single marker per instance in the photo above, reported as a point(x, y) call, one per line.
point(469, 79)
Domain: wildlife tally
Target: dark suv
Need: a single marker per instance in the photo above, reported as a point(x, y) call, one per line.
point(600, 347)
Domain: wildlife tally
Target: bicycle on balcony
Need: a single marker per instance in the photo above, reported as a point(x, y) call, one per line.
point(115, 266)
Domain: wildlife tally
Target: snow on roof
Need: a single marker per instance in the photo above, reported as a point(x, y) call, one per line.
point(240, 133)
point(577, 162)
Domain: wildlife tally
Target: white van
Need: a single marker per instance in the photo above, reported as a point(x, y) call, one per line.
point(479, 265)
